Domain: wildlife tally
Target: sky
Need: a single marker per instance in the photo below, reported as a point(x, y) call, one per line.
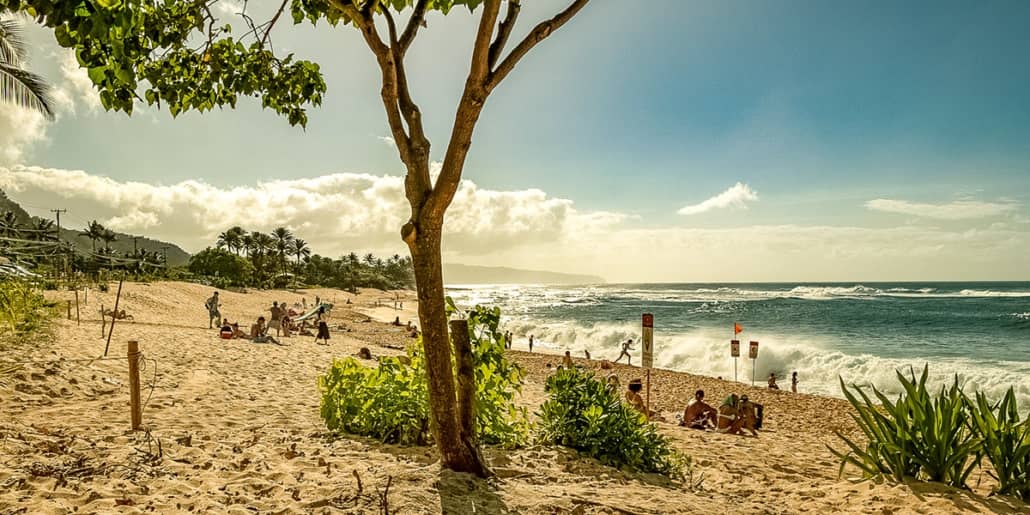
point(689, 141)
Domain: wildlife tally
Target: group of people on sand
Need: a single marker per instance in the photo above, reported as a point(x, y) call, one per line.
point(281, 320)
point(735, 415)
point(411, 328)
point(793, 382)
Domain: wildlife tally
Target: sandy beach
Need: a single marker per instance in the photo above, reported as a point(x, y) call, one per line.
point(233, 427)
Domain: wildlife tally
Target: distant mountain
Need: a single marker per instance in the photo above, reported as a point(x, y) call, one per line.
point(470, 274)
point(176, 256)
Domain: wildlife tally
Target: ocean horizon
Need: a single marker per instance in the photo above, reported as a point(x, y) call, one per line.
point(861, 332)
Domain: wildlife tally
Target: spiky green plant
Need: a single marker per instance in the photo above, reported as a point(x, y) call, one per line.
point(1005, 442)
point(917, 436)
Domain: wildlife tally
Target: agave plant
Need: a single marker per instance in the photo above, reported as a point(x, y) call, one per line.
point(1006, 442)
point(917, 436)
point(17, 85)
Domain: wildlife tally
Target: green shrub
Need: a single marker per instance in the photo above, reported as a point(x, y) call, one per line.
point(917, 436)
point(1005, 442)
point(391, 402)
point(499, 421)
point(22, 308)
point(584, 414)
point(388, 402)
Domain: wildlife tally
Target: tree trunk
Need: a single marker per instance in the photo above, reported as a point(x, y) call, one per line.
point(458, 452)
point(466, 383)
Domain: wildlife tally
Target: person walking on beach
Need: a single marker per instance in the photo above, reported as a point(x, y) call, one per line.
point(626, 347)
point(323, 333)
point(794, 382)
point(213, 315)
point(530, 343)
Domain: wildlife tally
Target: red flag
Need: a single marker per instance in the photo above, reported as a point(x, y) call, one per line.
point(737, 328)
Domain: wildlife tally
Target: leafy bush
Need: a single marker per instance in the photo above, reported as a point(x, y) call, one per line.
point(584, 414)
point(391, 402)
point(223, 267)
point(1005, 442)
point(22, 308)
point(917, 436)
point(498, 381)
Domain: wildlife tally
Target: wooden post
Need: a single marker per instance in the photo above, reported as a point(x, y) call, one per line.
point(77, 320)
point(69, 310)
point(103, 324)
point(114, 316)
point(134, 398)
point(647, 402)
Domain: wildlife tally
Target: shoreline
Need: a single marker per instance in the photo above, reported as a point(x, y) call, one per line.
point(239, 429)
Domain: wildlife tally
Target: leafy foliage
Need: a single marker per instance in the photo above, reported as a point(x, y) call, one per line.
point(17, 85)
point(498, 381)
point(187, 58)
point(585, 414)
point(22, 308)
point(225, 268)
point(917, 436)
point(1005, 442)
point(391, 402)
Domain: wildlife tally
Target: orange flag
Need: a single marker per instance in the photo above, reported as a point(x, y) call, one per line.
point(737, 328)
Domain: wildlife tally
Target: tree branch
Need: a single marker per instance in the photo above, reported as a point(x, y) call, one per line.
point(417, 20)
point(504, 31)
point(538, 34)
point(278, 13)
point(480, 52)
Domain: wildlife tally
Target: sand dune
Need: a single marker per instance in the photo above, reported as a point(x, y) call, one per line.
point(233, 427)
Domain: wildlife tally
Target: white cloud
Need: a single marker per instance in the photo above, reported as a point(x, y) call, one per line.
point(336, 213)
point(74, 88)
point(346, 212)
point(957, 210)
point(392, 143)
point(20, 128)
point(737, 196)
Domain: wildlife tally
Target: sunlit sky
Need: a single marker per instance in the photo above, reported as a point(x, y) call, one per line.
point(688, 141)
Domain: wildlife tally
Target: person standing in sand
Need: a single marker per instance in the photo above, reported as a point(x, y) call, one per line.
point(794, 382)
point(566, 361)
point(323, 333)
point(213, 315)
point(626, 347)
point(275, 321)
point(530, 343)
point(587, 353)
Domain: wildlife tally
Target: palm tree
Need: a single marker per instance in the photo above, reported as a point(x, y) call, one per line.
point(247, 243)
point(44, 230)
point(109, 237)
point(232, 239)
point(18, 86)
point(9, 225)
point(94, 231)
point(300, 250)
point(283, 238)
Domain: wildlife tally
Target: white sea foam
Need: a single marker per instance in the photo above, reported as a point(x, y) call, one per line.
point(706, 353)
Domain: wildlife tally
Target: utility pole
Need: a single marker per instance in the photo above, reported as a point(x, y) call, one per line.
point(134, 251)
point(164, 252)
point(58, 213)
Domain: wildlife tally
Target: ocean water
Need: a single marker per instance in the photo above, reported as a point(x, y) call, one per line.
point(860, 332)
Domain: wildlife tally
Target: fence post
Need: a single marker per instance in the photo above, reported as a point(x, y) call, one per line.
point(103, 323)
point(134, 400)
point(69, 310)
point(77, 320)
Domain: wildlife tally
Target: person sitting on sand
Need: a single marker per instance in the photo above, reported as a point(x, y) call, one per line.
point(626, 347)
point(772, 381)
point(612, 382)
point(397, 321)
point(259, 332)
point(699, 414)
point(413, 333)
point(737, 414)
point(633, 396)
point(566, 362)
point(286, 324)
point(323, 333)
point(237, 332)
point(794, 382)
point(225, 332)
